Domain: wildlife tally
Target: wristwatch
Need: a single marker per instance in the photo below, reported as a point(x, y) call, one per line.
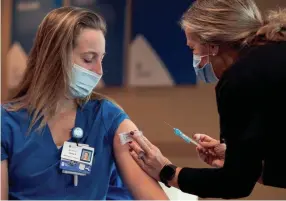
point(167, 174)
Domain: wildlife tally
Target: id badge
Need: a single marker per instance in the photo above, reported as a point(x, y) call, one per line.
point(76, 159)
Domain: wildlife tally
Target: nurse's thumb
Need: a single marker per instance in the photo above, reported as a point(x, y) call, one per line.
point(200, 137)
point(208, 144)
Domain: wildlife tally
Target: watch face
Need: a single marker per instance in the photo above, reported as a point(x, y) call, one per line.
point(168, 173)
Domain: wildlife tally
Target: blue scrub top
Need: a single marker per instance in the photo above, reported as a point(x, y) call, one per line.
point(34, 159)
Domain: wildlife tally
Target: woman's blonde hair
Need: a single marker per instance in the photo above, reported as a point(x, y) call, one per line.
point(233, 21)
point(49, 64)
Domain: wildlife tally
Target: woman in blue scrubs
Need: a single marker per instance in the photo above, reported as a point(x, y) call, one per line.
point(56, 96)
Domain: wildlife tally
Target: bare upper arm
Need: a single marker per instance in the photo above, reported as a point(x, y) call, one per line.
point(140, 184)
point(4, 180)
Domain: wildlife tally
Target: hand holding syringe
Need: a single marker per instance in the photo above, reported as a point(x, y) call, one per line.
point(182, 135)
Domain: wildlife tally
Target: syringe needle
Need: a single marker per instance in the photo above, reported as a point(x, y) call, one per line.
point(168, 124)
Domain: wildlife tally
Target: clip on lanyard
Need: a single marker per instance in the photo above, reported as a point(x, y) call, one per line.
point(77, 134)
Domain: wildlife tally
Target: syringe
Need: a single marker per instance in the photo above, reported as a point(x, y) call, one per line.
point(182, 135)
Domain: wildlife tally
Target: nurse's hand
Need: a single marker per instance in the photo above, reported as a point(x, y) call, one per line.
point(210, 150)
point(147, 156)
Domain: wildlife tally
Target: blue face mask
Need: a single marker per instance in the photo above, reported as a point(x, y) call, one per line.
point(206, 73)
point(83, 81)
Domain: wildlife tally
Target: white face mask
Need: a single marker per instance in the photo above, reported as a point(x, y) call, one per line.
point(206, 73)
point(83, 81)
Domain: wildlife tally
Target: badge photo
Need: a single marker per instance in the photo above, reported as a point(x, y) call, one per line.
point(86, 155)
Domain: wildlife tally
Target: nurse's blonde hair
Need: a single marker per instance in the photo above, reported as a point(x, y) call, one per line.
point(49, 64)
point(233, 21)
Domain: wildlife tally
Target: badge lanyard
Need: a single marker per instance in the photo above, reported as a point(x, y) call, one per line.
point(76, 159)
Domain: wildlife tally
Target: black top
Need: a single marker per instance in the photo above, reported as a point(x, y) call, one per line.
point(251, 99)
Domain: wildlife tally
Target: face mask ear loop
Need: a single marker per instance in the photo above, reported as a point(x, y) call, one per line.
point(208, 54)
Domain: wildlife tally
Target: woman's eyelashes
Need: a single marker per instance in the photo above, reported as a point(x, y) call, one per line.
point(88, 61)
point(94, 59)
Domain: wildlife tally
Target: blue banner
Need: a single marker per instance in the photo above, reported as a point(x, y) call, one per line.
point(159, 55)
point(113, 11)
point(26, 17)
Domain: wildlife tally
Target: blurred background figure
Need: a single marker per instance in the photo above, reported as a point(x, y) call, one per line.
point(147, 70)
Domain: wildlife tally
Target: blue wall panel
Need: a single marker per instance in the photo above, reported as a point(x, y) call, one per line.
point(158, 22)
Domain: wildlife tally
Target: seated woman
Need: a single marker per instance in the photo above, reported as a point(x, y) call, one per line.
point(56, 96)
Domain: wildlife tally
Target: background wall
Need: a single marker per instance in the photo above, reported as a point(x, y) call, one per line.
point(190, 108)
